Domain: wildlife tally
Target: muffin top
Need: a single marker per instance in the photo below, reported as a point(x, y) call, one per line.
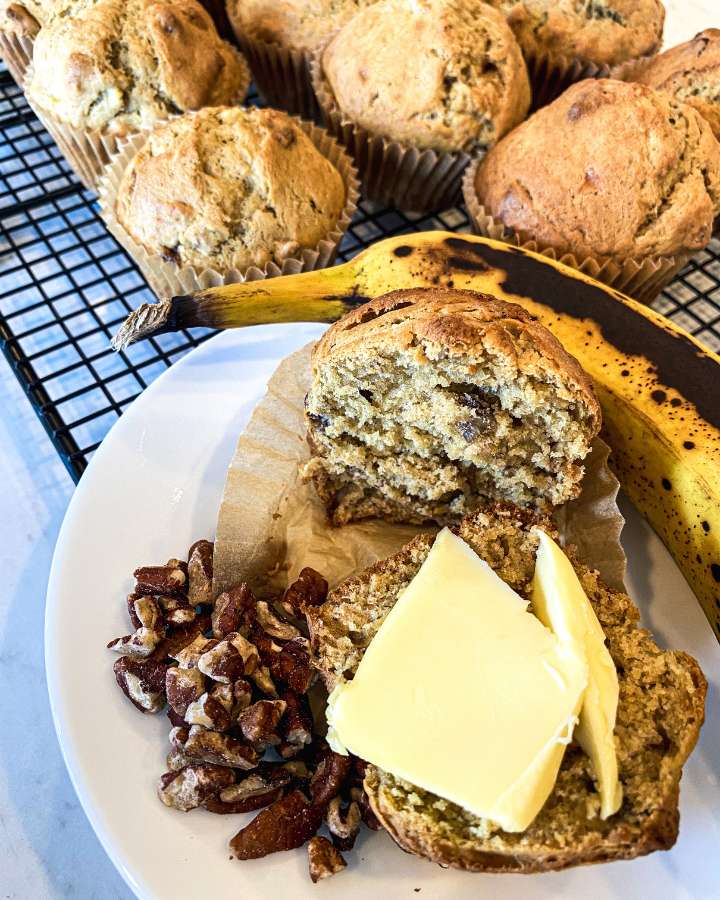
point(24, 17)
point(440, 74)
point(610, 169)
point(599, 31)
point(119, 65)
point(229, 187)
point(690, 72)
point(300, 24)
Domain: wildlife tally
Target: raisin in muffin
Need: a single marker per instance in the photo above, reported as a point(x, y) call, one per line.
point(445, 75)
point(690, 72)
point(428, 402)
point(604, 32)
point(118, 66)
point(228, 188)
point(609, 170)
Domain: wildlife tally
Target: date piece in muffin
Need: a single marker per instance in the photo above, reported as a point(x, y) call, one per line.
point(691, 73)
point(117, 66)
point(609, 170)
point(445, 75)
point(604, 32)
point(426, 403)
point(229, 188)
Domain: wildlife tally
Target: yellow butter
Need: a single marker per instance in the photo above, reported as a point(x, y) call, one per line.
point(463, 692)
point(560, 602)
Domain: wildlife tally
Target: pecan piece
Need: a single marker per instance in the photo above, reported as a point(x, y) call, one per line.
point(296, 725)
point(147, 635)
point(143, 683)
point(168, 579)
point(343, 824)
point(222, 663)
point(187, 657)
point(368, 816)
point(272, 625)
point(178, 637)
point(330, 776)
point(192, 786)
point(294, 667)
point(310, 589)
point(176, 759)
point(324, 860)
point(287, 823)
point(254, 792)
point(183, 687)
point(259, 722)
point(242, 696)
point(200, 573)
point(176, 611)
point(209, 712)
point(232, 610)
point(203, 745)
point(263, 681)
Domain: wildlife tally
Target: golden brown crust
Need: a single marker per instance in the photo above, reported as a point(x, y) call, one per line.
point(120, 65)
point(229, 188)
point(605, 32)
point(445, 75)
point(609, 170)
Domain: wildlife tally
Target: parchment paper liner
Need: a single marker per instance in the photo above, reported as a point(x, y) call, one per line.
point(641, 279)
point(16, 52)
point(282, 75)
point(271, 524)
point(89, 152)
point(168, 279)
point(392, 173)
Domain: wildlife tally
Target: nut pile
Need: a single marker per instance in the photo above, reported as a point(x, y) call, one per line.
point(234, 676)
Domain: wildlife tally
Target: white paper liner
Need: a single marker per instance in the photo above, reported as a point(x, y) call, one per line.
point(271, 524)
point(89, 152)
point(16, 52)
point(641, 279)
point(392, 173)
point(168, 279)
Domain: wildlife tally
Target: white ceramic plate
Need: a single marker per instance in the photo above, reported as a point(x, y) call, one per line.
point(153, 487)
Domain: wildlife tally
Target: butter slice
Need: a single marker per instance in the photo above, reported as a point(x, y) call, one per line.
point(463, 692)
point(560, 603)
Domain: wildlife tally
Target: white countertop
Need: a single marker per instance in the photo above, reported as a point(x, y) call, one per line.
point(47, 848)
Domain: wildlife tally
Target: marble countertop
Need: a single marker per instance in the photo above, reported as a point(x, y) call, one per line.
point(47, 848)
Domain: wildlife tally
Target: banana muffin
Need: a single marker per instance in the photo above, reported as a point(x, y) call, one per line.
point(609, 170)
point(228, 188)
point(445, 75)
point(604, 32)
point(118, 66)
point(690, 72)
point(426, 403)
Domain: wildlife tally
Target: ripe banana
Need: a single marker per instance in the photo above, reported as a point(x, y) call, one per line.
point(659, 388)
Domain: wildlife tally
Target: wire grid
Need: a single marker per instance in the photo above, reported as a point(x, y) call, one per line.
point(66, 285)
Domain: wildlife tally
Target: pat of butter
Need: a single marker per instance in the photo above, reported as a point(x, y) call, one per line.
point(463, 692)
point(560, 603)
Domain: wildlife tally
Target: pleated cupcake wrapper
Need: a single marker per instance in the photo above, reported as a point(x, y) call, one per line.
point(641, 279)
point(282, 75)
point(89, 152)
point(16, 52)
point(170, 279)
point(392, 173)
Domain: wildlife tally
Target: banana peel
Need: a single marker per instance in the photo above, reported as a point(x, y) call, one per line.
point(659, 388)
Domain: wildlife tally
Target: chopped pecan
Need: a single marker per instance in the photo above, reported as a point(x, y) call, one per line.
point(180, 636)
point(287, 823)
point(203, 745)
point(297, 769)
point(296, 725)
point(187, 657)
point(242, 696)
point(200, 573)
point(222, 663)
point(143, 683)
point(368, 816)
point(263, 681)
point(192, 786)
point(310, 589)
point(225, 696)
point(147, 634)
point(208, 712)
point(254, 792)
point(272, 625)
point(183, 687)
point(176, 720)
point(324, 860)
point(232, 610)
point(330, 776)
point(343, 824)
point(259, 722)
point(168, 579)
point(176, 611)
point(177, 760)
point(294, 667)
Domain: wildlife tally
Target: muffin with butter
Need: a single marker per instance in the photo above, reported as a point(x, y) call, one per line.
point(105, 70)
point(213, 196)
point(414, 119)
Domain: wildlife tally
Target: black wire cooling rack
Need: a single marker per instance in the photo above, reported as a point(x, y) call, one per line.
point(66, 285)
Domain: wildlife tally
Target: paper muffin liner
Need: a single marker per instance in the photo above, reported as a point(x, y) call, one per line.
point(392, 173)
point(642, 279)
point(16, 52)
point(282, 75)
point(88, 152)
point(169, 279)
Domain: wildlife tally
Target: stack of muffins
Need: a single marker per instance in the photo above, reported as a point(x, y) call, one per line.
point(619, 175)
